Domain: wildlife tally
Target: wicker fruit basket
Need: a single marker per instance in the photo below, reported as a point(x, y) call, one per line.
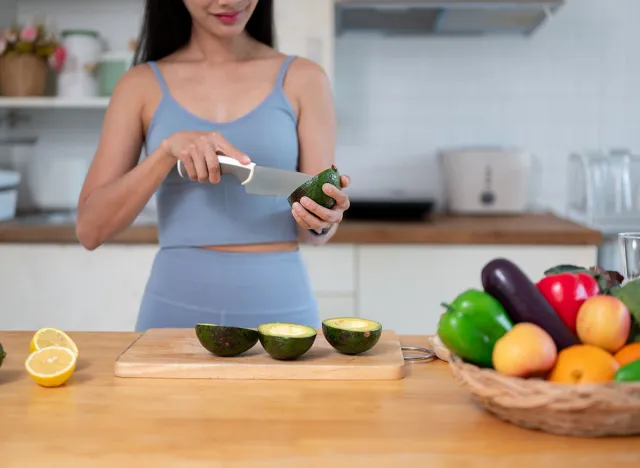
point(611, 409)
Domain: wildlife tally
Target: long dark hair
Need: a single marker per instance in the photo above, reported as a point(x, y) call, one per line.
point(166, 27)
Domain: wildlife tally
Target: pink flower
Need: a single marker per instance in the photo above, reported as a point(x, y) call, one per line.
point(57, 59)
point(3, 45)
point(28, 34)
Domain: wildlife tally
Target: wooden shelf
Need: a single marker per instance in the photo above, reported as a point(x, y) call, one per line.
point(53, 103)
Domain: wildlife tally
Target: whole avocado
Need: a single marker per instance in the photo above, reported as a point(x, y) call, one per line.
point(313, 188)
point(2, 354)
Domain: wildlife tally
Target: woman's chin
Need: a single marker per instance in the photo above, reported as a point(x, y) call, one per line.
point(226, 32)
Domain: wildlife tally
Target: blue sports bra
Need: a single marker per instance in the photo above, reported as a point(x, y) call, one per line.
point(198, 214)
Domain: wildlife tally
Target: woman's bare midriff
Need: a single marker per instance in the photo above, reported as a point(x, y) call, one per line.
point(251, 248)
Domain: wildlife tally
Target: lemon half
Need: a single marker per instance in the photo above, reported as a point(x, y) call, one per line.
point(51, 366)
point(46, 337)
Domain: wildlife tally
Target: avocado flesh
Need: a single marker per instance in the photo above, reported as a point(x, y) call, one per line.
point(351, 335)
point(286, 341)
point(226, 341)
point(2, 354)
point(313, 188)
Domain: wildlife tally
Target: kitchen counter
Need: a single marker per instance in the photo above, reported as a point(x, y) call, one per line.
point(427, 419)
point(529, 229)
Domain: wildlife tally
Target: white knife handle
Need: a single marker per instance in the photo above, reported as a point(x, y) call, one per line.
point(228, 166)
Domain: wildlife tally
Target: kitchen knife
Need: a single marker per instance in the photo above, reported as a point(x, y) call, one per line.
point(259, 180)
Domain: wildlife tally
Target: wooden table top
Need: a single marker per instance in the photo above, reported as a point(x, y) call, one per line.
point(528, 229)
point(425, 420)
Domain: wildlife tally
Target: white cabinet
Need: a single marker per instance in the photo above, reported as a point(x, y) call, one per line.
point(306, 28)
point(67, 287)
point(332, 272)
point(403, 286)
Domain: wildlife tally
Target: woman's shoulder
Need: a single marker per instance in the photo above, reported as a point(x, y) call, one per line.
point(304, 69)
point(137, 91)
point(305, 77)
point(138, 79)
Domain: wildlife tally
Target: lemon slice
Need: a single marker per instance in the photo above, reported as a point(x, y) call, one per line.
point(46, 337)
point(51, 366)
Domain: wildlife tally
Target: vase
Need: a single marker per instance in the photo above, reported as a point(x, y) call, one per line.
point(23, 75)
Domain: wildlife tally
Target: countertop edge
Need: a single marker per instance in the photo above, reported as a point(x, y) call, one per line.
point(533, 229)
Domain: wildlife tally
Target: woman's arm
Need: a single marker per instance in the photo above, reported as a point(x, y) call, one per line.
point(317, 130)
point(116, 189)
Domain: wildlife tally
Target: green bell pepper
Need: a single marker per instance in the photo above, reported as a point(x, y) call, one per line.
point(472, 324)
point(628, 373)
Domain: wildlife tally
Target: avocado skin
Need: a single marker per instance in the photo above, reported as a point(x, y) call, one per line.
point(224, 341)
point(2, 354)
point(351, 342)
point(286, 348)
point(313, 188)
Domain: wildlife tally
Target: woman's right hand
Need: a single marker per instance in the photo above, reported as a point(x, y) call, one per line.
point(198, 152)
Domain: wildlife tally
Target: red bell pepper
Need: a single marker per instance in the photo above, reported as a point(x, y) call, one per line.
point(566, 292)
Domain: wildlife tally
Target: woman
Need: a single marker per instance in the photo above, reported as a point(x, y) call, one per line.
point(207, 82)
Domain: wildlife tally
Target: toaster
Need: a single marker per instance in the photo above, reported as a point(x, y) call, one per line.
point(486, 180)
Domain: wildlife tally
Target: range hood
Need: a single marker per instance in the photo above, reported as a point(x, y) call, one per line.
point(444, 17)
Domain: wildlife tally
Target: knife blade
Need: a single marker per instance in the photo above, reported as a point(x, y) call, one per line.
point(259, 180)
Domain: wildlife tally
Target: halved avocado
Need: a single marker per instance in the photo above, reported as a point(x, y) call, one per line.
point(226, 341)
point(351, 335)
point(286, 341)
point(312, 188)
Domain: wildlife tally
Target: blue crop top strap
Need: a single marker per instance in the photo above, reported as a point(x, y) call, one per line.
point(283, 70)
point(159, 77)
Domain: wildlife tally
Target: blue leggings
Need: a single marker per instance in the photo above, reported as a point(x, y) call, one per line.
point(193, 285)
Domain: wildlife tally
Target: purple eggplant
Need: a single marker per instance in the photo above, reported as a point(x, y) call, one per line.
point(523, 302)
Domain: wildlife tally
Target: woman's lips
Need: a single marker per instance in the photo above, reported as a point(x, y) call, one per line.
point(228, 18)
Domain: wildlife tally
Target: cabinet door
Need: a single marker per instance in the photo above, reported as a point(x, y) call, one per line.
point(66, 287)
point(306, 28)
point(402, 287)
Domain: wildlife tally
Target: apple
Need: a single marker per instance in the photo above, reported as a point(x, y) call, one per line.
point(605, 322)
point(524, 351)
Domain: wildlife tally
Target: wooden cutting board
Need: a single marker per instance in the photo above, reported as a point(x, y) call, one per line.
point(176, 353)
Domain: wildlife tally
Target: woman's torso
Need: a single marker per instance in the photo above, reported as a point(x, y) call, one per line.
point(222, 216)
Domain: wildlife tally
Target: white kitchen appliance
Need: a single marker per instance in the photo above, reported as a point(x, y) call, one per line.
point(9, 181)
point(487, 180)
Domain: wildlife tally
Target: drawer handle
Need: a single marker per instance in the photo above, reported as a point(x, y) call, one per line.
point(428, 354)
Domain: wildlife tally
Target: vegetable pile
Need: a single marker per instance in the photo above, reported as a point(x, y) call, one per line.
point(574, 325)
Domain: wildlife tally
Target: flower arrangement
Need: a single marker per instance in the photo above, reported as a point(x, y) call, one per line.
point(36, 41)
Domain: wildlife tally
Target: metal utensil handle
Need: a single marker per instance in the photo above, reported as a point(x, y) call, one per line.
point(180, 169)
point(428, 357)
point(229, 166)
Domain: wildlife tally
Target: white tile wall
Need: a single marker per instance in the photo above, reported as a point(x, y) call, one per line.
point(576, 84)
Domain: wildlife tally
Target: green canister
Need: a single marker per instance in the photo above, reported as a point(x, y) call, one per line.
point(111, 67)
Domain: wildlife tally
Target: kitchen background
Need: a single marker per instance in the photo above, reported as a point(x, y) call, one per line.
point(571, 87)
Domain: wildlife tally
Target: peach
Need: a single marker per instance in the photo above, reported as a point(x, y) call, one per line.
point(605, 322)
point(524, 351)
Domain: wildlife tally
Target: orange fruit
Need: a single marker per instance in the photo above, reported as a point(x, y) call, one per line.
point(583, 364)
point(628, 354)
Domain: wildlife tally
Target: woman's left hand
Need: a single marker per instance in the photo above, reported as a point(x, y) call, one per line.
point(309, 215)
